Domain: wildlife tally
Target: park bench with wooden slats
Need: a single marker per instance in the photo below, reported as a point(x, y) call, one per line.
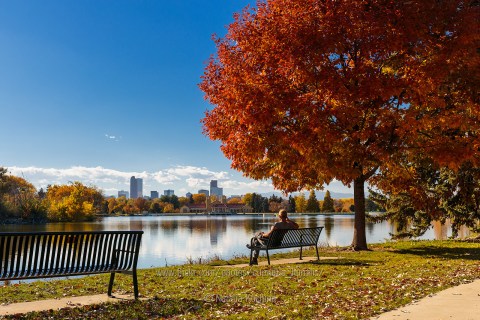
point(289, 238)
point(31, 255)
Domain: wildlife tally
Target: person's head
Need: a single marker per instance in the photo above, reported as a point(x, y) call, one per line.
point(282, 214)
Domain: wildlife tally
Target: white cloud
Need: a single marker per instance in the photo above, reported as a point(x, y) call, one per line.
point(164, 177)
point(190, 171)
point(196, 183)
point(258, 186)
point(112, 137)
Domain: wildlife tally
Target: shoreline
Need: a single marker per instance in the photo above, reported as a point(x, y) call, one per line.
point(19, 221)
point(230, 215)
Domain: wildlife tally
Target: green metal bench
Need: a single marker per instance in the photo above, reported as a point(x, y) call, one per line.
point(30, 255)
point(289, 238)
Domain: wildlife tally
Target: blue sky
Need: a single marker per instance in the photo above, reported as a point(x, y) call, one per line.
point(97, 91)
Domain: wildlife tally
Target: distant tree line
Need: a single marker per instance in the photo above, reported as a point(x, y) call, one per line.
point(300, 204)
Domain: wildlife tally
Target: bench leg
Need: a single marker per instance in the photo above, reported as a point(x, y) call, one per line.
point(301, 253)
point(135, 284)
point(268, 258)
point(110, 285)
point(318, 257)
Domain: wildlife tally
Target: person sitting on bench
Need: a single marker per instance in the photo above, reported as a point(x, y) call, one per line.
point(261, 238)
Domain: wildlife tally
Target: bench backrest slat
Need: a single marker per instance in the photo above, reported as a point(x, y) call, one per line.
point(131, 257)
point(95, 255)
point(124, 253)
point(2, 253)
point(77, 266)
point(85, 257)
point(25, 255)
point(104, 259)
point(13, 249)
point(34, 254)
point(5, 258)
point(56, 254)
point(19, 256)
point(48, 254)
point(69, 251)
point(64, 260)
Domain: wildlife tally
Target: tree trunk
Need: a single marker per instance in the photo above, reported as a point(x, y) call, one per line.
point(359, 237)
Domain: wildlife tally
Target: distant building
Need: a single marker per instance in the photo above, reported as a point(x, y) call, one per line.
point(216, 207)
point(203, 191)
point(214, 189)
point(139, 188)
point(123, 193)
point(133, 187)
point(153, 194)
point(168, 192)
point(136, 187)
point(188, 195)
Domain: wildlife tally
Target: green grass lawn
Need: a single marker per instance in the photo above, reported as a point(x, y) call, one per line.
point(358, 285)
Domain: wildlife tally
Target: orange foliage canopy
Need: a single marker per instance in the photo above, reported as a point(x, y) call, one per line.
point(306, 91)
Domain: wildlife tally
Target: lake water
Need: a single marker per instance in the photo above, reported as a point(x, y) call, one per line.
point(170, 240)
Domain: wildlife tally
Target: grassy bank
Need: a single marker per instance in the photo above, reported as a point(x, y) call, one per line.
point(358, 285)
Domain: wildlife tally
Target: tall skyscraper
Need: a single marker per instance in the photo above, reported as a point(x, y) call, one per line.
point(213, 183)
point(168, 192)
point(214, 189)
point(139, 188)
point(133, 187)
point(136, 187)
point(153, 194)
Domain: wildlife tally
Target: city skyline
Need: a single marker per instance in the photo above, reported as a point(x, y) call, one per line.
point(99, 93)
point(113, 181)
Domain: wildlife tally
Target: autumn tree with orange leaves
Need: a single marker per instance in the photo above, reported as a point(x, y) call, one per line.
point(308, 91)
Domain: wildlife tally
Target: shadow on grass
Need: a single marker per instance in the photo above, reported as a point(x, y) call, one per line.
point(344, 262)
point(153, 308)
point(443, 252)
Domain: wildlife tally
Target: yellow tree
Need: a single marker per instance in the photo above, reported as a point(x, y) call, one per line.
point(183, 201)
point(168, 208)
point(73, 202)
point(199, 198)
point(235, 201)
point(300, 203)
point(20, 197)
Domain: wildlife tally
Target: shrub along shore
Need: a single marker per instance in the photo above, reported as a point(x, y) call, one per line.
point(357, 285)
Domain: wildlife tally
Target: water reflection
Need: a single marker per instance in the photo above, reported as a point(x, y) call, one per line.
point(175, 239)
point(328, 226)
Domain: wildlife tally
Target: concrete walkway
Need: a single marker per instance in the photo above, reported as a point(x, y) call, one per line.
point(55, 304)
point(460, 303)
